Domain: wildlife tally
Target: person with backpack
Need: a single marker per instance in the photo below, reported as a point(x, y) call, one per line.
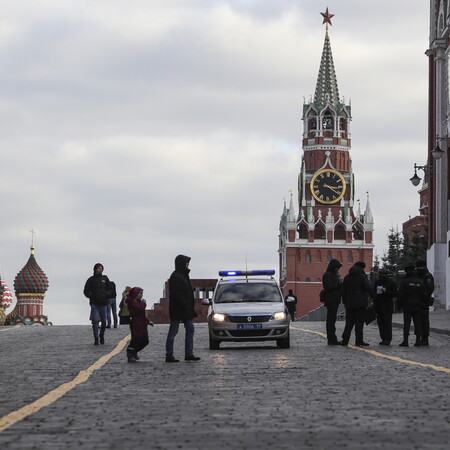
point(124, 313)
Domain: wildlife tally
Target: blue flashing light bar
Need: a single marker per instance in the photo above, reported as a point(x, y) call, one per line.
point(243, 273)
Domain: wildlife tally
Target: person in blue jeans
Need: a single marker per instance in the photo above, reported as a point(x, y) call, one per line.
point(112, 306)
point(96, 290)
point(181, 309)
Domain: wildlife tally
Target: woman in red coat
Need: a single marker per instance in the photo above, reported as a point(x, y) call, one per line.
point(139, 322)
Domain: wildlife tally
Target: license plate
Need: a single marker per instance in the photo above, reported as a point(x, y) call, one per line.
point(249, 326)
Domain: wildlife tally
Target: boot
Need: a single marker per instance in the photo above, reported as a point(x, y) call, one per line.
point(405, 342)
point(131, 357)
point(424, 341)
point(102, 339)
point(418, 343)
point(96, 341)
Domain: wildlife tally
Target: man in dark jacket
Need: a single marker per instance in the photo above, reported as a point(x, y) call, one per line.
point(291, 304)
point(332, 291)
point(428, 281)
point(181, 309)
point(385, 291)
point(356, 290)
point(96, 290)
point(412, 298)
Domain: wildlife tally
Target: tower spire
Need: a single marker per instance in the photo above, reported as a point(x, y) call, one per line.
point(326, 87)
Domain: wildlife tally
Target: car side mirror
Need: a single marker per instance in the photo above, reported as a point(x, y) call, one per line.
point(206, 301)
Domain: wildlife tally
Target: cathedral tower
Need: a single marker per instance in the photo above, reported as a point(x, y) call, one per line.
point(326, 226)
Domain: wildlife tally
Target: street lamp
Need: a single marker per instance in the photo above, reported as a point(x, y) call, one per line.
point(415, 179)
point(438, 152)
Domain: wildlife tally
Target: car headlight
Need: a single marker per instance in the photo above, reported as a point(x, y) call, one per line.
point(218, 317)
point(279, 316)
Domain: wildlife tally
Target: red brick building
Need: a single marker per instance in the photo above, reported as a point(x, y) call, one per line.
point(325, 226)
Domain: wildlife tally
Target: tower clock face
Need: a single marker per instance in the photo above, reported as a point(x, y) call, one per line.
point(327, 186)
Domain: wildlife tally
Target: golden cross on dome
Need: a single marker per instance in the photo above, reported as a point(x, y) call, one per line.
point(327, 17)
point(33, 232)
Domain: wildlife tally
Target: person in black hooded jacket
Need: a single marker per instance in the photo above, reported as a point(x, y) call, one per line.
point(356, 290)
point(181, 309)
point(96, 290)
point(332, 287)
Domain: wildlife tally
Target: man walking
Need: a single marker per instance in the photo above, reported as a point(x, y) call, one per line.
point(112, 305)
point(181, 309)
point(385, 291)
point(291, 302)
point(428, 281)
point(96, 290)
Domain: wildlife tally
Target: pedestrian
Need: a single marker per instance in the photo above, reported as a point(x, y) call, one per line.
point(331, 297)
point(96, 290)
point(385, 291)
point(291, 304)
point(356, 291)
point(139, 323)
point(112, 306)
point(428, 281)
point(412, 297)
point(181, 309)
point(124, 313)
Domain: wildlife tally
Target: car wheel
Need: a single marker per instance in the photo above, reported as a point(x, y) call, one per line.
point(213, 344)
point(285, 342)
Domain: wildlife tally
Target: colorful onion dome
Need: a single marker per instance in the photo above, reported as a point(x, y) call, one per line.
point(31, 279)
point(6, 296)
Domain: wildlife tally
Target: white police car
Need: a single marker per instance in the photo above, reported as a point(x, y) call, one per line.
point(247, 306)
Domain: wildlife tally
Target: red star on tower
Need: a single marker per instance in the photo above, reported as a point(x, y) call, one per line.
point(327, 17)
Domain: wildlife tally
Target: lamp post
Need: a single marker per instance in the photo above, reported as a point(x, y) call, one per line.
point(415, 179)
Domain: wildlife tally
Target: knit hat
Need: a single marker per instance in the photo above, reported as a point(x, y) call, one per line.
point(98, 265)
point(134, 292)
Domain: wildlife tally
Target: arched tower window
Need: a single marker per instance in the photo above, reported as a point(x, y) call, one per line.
point(312, 124)
point(342, 124)
point(308, 257)
point(328, 121)
point(302, 230)
point(339, 231)
point(319, 231)
point(358, 232)
point(308, 280)
point(350, 258)
point(329, 256)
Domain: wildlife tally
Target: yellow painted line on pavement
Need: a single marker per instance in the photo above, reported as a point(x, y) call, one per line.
point(51, 397)
point(9, 328)
point(383, 355)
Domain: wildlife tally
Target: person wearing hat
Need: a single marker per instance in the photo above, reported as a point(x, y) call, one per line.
point(356, 290)
point(96, 290)
point(428, 281)
point(139, 323)
point(332, 292)
point(124, 313)
point(385, 291)
point(412, 297)
point(181, 309)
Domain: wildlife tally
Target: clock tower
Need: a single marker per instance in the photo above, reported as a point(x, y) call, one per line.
point(324, 225)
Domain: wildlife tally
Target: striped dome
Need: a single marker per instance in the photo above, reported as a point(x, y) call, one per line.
point(31, 279)
point(6, 296)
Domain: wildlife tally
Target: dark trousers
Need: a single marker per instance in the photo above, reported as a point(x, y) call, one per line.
point(354, 317)
point(332, 309)
point(416, 317)
point(291, 312)
point(384, 321)
point(425, 321)
point(137, 344)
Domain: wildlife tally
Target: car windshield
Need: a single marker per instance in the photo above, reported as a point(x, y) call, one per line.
point(247, 292)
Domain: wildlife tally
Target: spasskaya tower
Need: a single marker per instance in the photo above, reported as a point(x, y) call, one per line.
point(324, 226)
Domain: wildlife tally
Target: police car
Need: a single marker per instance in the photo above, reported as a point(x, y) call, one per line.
point(247, 306)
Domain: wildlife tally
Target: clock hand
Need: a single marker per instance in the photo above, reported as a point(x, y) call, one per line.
point(332, 188)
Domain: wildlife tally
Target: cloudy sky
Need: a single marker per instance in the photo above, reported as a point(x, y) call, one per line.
point(132, 131)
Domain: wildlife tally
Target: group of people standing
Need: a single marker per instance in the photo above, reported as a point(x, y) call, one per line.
point(362, 300)
point(100, 291)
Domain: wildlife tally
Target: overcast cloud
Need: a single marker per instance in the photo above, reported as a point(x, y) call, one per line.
point(134, 131)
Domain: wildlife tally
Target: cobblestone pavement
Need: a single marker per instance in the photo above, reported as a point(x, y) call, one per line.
point(239, 397)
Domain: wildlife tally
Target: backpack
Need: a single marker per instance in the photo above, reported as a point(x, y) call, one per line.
point(124, 314)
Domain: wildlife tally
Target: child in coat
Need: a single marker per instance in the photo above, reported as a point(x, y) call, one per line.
point(139, 322)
